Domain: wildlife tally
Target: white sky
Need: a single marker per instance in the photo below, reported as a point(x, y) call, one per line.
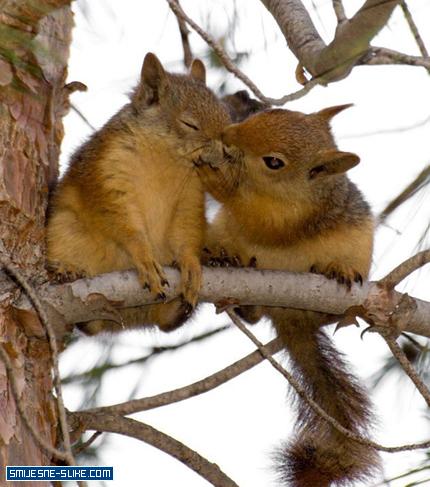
point(237, 425)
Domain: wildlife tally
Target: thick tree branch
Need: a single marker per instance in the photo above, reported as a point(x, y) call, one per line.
point(98, 297)
point(352, 39)
point(135, 429)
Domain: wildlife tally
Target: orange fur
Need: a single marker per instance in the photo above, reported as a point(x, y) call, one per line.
point(287, 203)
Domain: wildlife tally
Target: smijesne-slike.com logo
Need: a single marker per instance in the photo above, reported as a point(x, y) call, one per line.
point(35, 473)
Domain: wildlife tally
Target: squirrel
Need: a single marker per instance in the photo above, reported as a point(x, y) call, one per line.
point(131, 197)
point(287, 204)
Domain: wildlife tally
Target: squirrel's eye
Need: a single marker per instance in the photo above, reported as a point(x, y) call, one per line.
point(189, 124)
point(273, 162)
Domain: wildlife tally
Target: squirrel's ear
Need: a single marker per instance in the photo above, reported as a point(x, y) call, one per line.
point(332, 161)
point(198, 71)
point(330, 112)
point(153, 77)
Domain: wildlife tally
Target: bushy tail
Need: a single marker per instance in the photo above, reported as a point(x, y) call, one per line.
point(318, 455)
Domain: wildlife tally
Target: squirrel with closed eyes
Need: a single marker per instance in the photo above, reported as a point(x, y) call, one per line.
point(287, 204)
point(131, 197)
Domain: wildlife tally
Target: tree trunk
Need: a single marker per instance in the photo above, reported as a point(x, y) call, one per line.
point(34, 40)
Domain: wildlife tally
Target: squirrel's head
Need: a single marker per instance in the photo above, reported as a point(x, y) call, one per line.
point(183, 105)
point(284, 151)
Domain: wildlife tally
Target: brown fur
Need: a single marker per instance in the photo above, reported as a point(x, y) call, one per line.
point(304, 216)
point(131, 196)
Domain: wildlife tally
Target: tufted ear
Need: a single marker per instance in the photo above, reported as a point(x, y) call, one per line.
point(328, 113)
point(153, 78)
point(332, 161)
point(198, 71)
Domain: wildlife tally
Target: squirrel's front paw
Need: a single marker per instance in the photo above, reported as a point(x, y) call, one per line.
point(152, 277)
point(61, 274)
point(191, 279)
point(343, 273)
point(222, 258)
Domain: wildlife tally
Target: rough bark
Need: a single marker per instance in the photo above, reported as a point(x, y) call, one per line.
point(33, 65)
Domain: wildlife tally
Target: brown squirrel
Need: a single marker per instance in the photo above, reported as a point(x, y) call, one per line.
point(287, 204)
point(131, 197)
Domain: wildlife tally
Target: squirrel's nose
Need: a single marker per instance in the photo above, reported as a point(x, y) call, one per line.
point(213, 154)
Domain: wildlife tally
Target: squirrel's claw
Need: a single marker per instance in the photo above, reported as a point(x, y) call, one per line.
point(344, 274)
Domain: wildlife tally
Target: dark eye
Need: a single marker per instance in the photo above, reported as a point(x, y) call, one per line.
point(273, 162)
point(188, 124)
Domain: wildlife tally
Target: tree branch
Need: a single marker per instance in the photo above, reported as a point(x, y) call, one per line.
point(87, 299)
point(414, 29)
point(135, 429)
point(405, 268)
point(230, 66)
point(199, 387)
point(383, 56)
point(352, 39)
point(339, 11)
point(184, 33)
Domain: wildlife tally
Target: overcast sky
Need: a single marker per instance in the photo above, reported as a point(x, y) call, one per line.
point(237, 425)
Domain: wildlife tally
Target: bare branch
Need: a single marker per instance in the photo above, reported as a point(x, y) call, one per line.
point(407, 366)
point(382, 56)
point(405, 268)
point(411, 189)
point(339, 11)
point(230, 66)
point(199, 387)
point(184, 32)
point(86, 444)
point(74, 301)
point(97, 371)
point(312, 404)
point(135, 429)
point(414, 29)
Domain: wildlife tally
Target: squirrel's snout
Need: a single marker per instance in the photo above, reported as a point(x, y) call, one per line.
point(212, 155)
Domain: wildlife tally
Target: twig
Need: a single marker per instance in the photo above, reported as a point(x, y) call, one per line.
point(383, 55)
point(418, 183)
point(388, 131)
point(199, 387)
point(31, 293)
point(80, 448)
point(184, 32)
point(405, 268)
point(414, 29)
point(48, 449)
point(312, 404)
point(97, 371)
point(82, 116)
point(339, 11)
point(406, 365)
point(402, 476)
point(230, 66)
point(136, 429)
